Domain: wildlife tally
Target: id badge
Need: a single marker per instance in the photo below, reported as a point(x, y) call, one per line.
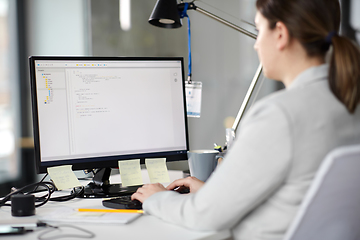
point(193, 99)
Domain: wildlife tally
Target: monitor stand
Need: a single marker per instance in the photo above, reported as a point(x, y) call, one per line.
point(100, 187)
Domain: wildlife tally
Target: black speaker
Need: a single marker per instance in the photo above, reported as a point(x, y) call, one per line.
point(22, 205)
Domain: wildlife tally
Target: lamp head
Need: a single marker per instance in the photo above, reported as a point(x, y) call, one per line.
point(165, 14)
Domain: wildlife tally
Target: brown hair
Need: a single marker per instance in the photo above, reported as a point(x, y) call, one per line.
point(315, 24)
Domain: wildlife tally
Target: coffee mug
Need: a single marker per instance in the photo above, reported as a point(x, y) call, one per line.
point(202, 163)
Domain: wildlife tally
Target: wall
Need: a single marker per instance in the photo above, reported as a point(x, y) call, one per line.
point(355, 18)
point(53, 27)
point(223, 59)
point(57, 27)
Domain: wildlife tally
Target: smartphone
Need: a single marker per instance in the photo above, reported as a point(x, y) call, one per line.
point(8, 230)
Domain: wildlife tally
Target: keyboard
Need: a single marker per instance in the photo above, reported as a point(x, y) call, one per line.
point(122, 202)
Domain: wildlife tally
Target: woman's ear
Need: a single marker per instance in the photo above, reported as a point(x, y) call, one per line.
point(282, 36)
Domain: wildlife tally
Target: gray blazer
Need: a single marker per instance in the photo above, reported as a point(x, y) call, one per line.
point(280, 144)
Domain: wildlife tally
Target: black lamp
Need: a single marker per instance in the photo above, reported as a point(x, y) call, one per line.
point(166, 14)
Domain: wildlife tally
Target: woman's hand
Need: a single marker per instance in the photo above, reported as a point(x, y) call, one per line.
point(192, 183)
point(146, 191)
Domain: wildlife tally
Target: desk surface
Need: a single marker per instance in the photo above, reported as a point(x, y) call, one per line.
point(145, 227)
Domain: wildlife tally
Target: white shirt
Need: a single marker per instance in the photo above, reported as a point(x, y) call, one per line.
point(280, 144)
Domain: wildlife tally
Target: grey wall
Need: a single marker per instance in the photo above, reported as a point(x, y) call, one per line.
point(355, 17)
point(223, 59)
point(57, 27)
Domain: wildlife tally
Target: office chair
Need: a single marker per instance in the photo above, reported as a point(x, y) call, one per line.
point(331, 207)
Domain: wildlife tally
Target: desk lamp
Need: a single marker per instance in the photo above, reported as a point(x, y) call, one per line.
point(166, 14)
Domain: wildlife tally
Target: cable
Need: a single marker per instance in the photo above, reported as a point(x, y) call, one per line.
point(57, 236)
point(76, 192)
point(48, 185)
point(40, 181)
point(72, 195)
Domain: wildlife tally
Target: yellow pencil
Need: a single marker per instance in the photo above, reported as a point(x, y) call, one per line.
point(110, 210)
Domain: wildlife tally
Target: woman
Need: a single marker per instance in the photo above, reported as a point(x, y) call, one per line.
point(281, 142)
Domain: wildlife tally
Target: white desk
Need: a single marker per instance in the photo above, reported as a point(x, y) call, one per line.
point(145, 227)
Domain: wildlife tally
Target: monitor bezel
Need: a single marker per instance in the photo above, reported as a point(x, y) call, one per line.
point(99, 162)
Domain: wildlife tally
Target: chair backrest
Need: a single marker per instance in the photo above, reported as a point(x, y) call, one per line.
point(331, 207)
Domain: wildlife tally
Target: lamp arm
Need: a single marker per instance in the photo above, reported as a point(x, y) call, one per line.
point(227, 23)
point(217, 18)
point(247, 98)
point(243, 31)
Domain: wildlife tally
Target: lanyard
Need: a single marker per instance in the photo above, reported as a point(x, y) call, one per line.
point(182, 15)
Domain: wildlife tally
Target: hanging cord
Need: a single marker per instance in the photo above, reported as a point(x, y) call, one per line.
point(182, 15)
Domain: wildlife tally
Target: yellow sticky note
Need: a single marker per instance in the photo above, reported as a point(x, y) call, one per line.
point(157, 170)
point(130, 172)
point(63, 177)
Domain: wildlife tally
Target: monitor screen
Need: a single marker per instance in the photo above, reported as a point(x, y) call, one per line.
point(91, 112)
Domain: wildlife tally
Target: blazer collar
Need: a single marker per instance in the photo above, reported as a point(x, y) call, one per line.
point(311, 75)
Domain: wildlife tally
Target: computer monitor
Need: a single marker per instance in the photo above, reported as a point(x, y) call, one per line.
point(91, 112)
